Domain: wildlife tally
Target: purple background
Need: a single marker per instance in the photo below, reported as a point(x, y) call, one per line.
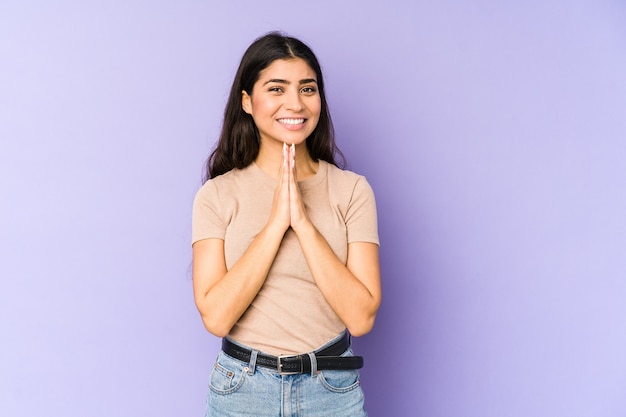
point(493, 133)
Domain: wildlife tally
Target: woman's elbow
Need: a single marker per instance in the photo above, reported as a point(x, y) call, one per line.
point(363, 326)
point(216, 327)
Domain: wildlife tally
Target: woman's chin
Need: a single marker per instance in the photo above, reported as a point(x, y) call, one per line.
point(294, 140)
point(289, 139)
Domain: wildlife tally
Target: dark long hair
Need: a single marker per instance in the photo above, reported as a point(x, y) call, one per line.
point(238, 145)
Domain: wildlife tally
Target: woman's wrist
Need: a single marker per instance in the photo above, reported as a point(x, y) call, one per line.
point(304, 229)
point(275, 229)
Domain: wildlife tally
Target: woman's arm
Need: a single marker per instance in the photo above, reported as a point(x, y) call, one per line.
point(352, 290)
point(221, 295)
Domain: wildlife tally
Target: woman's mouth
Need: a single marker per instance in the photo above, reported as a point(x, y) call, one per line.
point(291, 122)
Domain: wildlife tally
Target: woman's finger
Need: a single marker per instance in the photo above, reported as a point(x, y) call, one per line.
point(280, 209)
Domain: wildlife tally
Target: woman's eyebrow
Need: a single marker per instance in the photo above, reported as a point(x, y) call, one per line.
point(280, 81)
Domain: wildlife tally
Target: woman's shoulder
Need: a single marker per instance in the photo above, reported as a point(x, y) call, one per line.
point(344, 183)
point(342, 175)
point(229, 177)
point(221, 182)
point(215, 182)
point(339, 172)
point(236, 182)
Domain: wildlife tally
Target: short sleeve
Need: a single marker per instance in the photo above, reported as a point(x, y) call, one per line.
point(361, 218)
point(207, 220)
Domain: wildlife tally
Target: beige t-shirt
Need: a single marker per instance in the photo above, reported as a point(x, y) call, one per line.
point(289, 314)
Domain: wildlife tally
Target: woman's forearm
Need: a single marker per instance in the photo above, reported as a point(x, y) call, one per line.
point(352, 289)
point(223, 296)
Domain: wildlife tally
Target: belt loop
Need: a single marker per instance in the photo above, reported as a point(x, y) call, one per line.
point(252, 364)
point(313, 364)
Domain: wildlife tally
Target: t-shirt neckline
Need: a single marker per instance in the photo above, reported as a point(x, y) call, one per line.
point(312, 181)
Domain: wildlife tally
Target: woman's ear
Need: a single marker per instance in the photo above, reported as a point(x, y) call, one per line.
point(246, 102)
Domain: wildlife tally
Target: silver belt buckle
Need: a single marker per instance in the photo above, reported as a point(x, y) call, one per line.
point(279, 365)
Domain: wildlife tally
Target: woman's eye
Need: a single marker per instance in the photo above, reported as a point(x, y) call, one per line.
point(276, 89)
point(308, 90)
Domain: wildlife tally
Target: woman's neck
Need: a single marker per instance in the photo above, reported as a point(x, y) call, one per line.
point(270, 160)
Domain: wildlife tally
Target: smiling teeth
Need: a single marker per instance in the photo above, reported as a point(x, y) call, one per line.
point(291, 121)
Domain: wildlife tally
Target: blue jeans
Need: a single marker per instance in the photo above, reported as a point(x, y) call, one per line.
point(243, 389)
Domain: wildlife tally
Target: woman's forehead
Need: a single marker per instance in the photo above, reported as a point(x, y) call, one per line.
point(295, 69)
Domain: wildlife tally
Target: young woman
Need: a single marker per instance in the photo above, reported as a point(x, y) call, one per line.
point(285, 246)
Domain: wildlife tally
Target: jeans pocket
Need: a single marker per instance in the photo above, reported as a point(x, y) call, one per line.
point(227, 375)
point(340, 380)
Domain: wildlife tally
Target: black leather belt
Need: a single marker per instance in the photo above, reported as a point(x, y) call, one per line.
point(327, 358)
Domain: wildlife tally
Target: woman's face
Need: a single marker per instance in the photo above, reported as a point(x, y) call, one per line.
point(285, 102)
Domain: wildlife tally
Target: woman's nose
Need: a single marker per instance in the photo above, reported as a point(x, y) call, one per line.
point(293, 101)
